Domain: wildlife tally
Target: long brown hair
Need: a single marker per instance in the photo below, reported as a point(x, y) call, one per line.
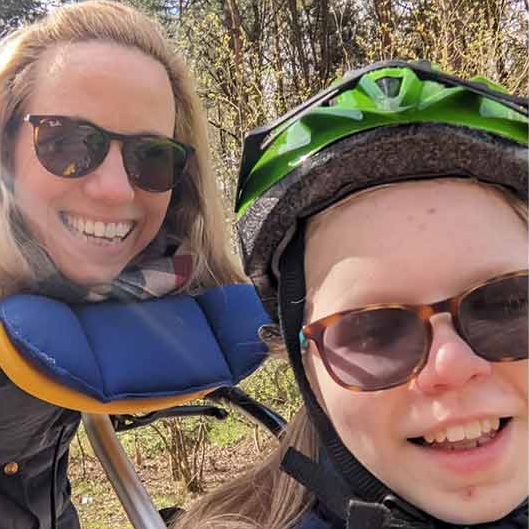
point(198, 221)
point(263, 498)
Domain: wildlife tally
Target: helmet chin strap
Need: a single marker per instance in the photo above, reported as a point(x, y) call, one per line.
point(355, 490)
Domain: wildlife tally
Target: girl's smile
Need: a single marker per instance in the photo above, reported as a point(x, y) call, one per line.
point(461, 434)
point(464, 455)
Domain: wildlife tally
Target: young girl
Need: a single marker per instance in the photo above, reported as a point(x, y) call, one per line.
point(105, 192)
point(384, 226)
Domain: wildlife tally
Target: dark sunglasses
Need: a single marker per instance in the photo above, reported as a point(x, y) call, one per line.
point(71, 148)
point(258, 139)
point(385, 345)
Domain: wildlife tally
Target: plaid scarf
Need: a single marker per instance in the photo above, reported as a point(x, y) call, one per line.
point(162, 268)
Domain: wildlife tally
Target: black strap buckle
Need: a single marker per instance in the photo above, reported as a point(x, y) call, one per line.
point(394, 503)
point(367, 515)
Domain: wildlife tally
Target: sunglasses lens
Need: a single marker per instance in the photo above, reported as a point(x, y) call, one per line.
point(493, 319)
point(67, 148)
point(154, 164)
point(375, 349)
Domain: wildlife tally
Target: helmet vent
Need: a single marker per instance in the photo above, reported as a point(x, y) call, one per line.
point(389, 86)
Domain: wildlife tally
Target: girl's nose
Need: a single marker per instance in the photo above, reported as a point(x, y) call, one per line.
point(451, 361)
point(109, 182)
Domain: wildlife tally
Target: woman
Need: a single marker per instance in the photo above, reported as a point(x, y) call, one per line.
point(105, 192)
point(384, 226)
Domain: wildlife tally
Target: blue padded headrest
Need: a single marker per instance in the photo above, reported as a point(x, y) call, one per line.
point(169, 346)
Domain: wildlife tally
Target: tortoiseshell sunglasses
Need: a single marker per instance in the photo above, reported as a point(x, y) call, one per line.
point(385, 345)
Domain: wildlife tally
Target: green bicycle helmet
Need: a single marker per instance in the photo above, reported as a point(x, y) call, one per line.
point(388, 122)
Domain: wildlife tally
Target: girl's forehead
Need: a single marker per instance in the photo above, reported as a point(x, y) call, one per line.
point(413, 243)
point(376, 217)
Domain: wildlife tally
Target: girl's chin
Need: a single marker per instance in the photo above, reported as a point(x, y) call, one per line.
point(464, 507)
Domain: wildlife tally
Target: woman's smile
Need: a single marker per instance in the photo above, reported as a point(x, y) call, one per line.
point(93, 239)
point(98, 230)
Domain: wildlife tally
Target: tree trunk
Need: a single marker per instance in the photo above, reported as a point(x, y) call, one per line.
point(298, 41)
point(384, 12)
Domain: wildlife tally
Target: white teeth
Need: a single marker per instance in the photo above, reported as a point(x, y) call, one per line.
point(472, 430)
point(98, 228)
point(110, 231)
point(469, 431)
point(440, 436)
point(485, 425)
point(122, 229)
point(455, 433)
point(89, 227)
point(430, 438)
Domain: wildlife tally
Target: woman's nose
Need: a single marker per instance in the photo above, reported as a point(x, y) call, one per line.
point(109, 182)
point(451, 361)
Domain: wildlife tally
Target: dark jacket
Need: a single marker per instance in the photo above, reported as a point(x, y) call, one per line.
point(34, 441)
point(319, 518)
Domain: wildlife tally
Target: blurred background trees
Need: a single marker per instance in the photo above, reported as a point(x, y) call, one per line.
point(256, 59)
point(14, 13)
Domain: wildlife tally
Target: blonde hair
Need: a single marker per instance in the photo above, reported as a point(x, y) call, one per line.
point(263, 498)
point(196, 218)
point(266, 497)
